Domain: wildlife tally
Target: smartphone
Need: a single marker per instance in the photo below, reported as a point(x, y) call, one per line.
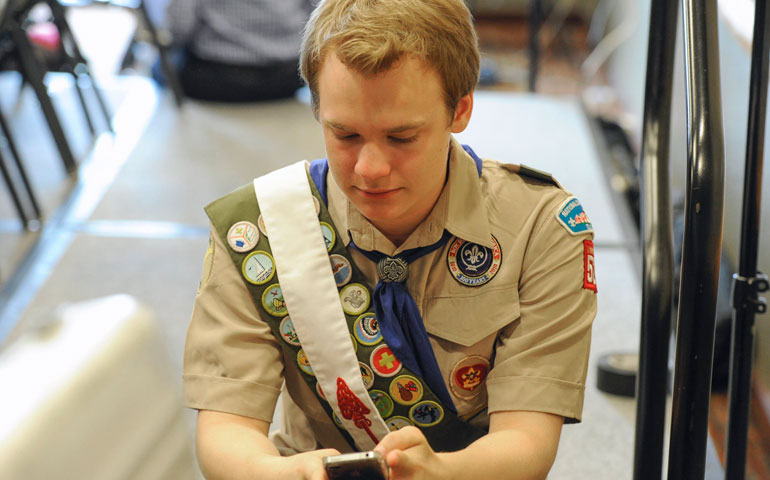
point(359, 466)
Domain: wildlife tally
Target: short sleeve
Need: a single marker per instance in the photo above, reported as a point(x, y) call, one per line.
point(232, 361)
point(541, 359)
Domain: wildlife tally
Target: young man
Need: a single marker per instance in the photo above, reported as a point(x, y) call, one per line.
point(467, 287)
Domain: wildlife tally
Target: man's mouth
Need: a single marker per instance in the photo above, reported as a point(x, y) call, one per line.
point(377, 193)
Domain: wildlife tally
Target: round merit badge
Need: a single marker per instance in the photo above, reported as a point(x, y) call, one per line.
point(355, 299)
point(258, 267)
point(261, 225)
point(426, 414)
point(471, 264)
point(382, 401)
point(366, 375)
point(406, 390)
point(468, 376)
point(273, 302)
point(304, 363)
point(242, 236)
point(288, 333)
point(329, 236)
point(366, 330)
point(341, 269)
point(384, 362)
point(397, 423)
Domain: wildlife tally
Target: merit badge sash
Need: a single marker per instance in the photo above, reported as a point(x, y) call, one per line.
point(307, 283)
point(316, 302)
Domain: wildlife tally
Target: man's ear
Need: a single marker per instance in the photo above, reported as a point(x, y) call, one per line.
point(462, 113)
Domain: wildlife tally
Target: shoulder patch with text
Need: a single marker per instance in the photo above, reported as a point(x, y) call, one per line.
point(572, 217)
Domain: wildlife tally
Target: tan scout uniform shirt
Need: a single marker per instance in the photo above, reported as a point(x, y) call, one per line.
point(532, 321)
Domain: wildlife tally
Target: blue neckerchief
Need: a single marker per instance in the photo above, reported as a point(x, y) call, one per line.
point(397, 313)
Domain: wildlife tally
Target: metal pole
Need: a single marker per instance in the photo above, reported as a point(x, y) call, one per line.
point(747, 283)
point(534, 42)
point(702, 243)
point(658, 258)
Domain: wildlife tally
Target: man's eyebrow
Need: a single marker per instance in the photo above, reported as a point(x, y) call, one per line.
point(398, 129)
point(337, 126)
point(407, 126)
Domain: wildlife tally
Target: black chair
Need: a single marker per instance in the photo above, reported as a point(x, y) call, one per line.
point(17, 53)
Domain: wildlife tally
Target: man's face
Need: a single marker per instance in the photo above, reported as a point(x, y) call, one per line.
point(387, 139)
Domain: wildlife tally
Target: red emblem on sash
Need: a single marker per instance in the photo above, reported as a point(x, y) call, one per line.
point(352, 408)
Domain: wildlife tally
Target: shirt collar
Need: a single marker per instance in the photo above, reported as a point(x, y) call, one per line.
point(460, 209)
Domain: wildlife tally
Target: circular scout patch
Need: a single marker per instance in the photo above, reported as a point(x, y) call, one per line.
point(426, 414)
point(242, 236)
point(261, 225)
point(366, 330)
point(258, 267)
point(273, 302)
point(471, 264)
point(406, 390)
point(382, 401)
point(468, 376)
point(355, 299)
point(341, 269)
point(288, 333)
point(337, 419)
point(397, 423)
point(304, 363)
point(317, 205)
point(319, 391)
point(329, 236)
point(384, 363)
point(366, 375)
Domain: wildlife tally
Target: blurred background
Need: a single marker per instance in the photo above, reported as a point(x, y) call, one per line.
point(113, 138)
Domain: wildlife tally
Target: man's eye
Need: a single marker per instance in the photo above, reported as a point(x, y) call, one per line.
point(403, 139)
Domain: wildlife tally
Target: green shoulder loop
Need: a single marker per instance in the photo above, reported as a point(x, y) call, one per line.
point(536, 174)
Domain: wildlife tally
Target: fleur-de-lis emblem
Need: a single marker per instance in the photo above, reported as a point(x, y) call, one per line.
point(475, 256)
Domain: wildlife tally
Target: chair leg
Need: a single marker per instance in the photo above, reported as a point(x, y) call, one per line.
point(13, 192)
point(82, 99)
point(81, 65)
point(34, 73)
point(20, 167)
point(171, 77)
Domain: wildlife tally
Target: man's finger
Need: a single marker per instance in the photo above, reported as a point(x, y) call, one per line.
point(400, 464)
point(402, 439)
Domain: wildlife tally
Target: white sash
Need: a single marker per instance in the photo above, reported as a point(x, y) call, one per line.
point(310, 292)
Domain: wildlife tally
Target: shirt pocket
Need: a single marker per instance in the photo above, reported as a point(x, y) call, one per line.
point(463, 331)
point(467, 320)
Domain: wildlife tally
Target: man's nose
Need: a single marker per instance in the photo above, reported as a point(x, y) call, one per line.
point(372, 163)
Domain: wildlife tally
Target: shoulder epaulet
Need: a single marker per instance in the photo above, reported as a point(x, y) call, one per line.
point(537, 174)
point(532, 173)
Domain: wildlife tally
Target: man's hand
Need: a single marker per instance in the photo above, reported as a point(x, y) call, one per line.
point(409, 456)
point(520, 445)
point(303, 466)
point(233, 447)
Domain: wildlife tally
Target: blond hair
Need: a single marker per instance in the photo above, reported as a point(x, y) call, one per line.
point(369, 36)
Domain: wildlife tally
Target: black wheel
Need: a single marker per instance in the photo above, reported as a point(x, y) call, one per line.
point(617, 373)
